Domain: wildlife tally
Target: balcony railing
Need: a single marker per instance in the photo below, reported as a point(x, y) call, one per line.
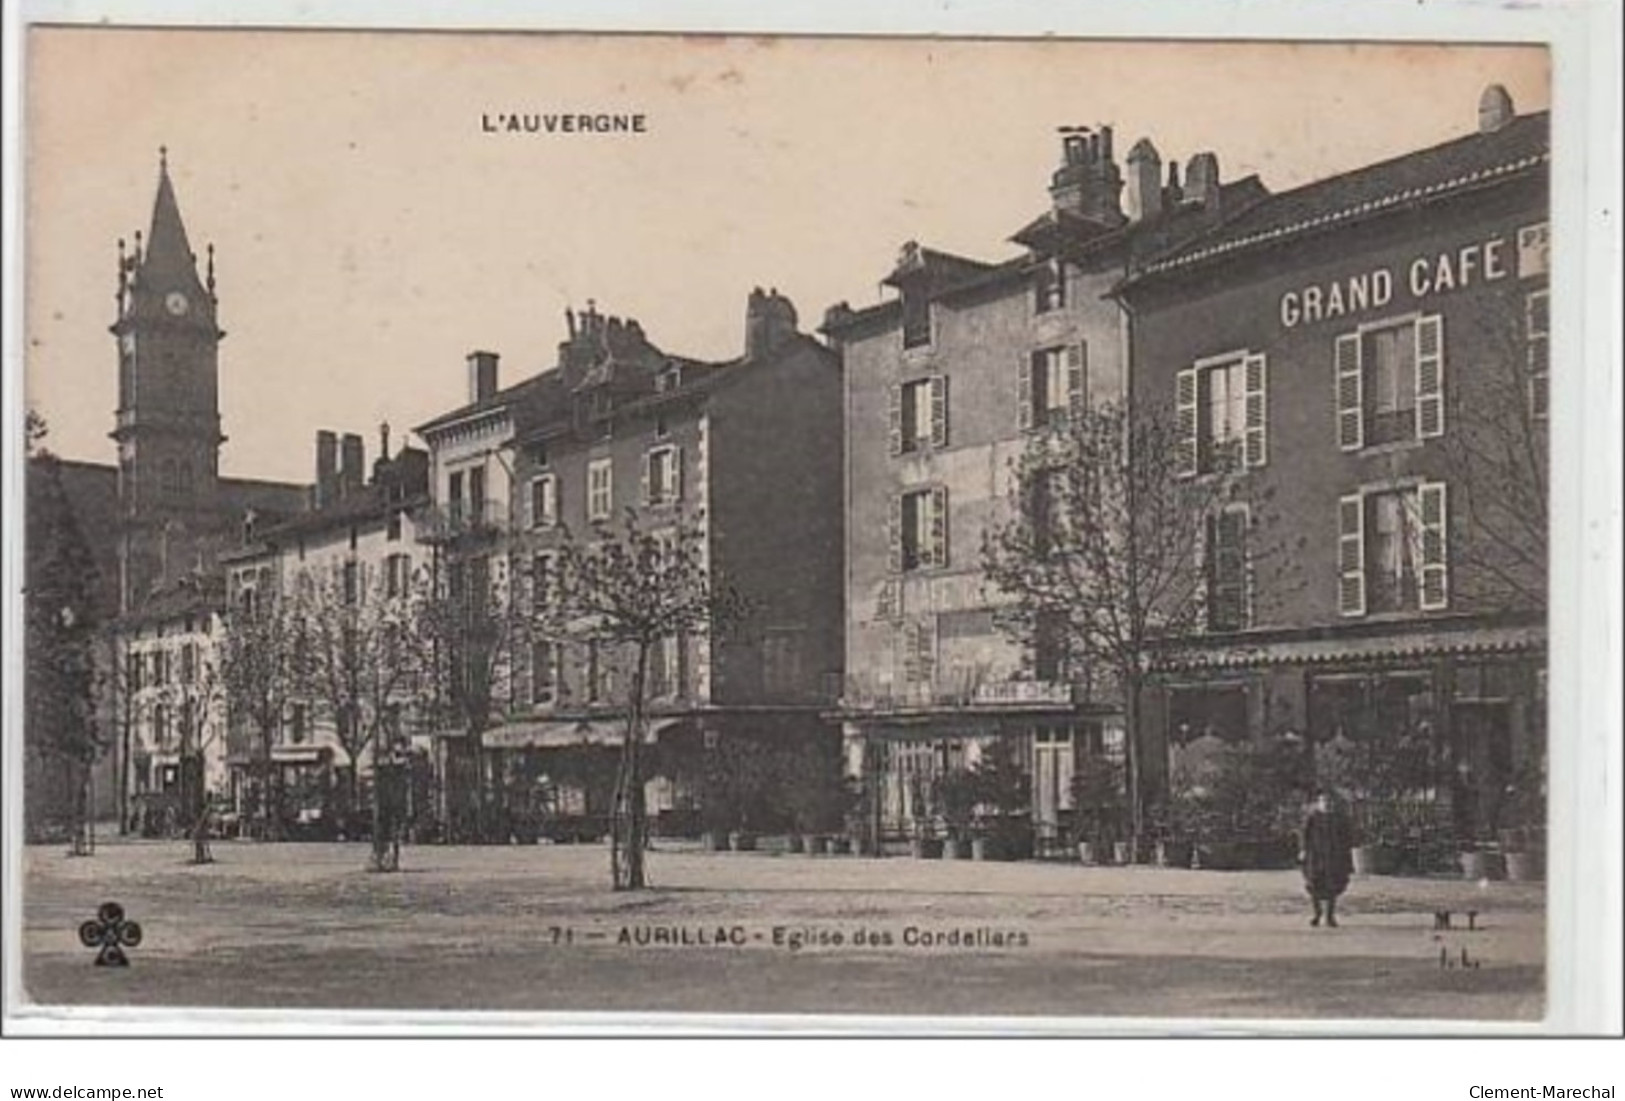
point(862, 693)
point(447, 520)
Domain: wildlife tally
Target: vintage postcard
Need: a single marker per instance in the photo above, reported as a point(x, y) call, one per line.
point(915, 528)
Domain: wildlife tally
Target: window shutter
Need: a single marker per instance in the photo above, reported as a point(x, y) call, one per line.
point(894, 534)
point(1434, 576)
point(1024, 392)
point(939, 411)
point(1256, 370)
point(677, 473)
point(1430, 376)
point(894, 414)
point(1185, 409)
point(1351, 555)
point(1077, 366)
point(1204, 572)
point(649, 487)
point(939, 526)
point(1248, 575)
point(1350, 398)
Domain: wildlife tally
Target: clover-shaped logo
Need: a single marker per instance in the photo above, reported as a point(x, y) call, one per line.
point(109, 932)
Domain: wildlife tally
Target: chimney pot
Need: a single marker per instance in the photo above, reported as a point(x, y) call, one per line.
point(352, 465)
point(1494, 109)
point(327, 468)
point(1144, 182)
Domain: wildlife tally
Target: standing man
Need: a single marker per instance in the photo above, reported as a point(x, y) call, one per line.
point(1326, 857)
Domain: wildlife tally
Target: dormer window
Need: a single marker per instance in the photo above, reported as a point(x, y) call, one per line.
point(916, 317)
point(1049, 287)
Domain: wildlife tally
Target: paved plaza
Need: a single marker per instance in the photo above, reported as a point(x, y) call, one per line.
point(536, 928)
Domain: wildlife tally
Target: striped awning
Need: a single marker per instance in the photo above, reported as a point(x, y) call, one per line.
point(1493, 640)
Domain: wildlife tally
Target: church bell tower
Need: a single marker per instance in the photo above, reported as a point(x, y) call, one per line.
point(168, 420)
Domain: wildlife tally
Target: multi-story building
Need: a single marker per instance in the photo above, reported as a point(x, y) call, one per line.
point(1366, 359)
point(168, 703)
point(946, 383)
point(349, 566)
point(748, 450)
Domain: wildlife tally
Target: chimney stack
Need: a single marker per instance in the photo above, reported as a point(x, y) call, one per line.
point(482, 375)
point(770, 323)
point(327, 468)
point(1202, 181)
point(1494, 109)
point(1144, 182)
point(1173, 194)
point(352, 465)
point(1088, 183)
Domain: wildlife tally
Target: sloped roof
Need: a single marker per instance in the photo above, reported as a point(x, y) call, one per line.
point(1522, 146)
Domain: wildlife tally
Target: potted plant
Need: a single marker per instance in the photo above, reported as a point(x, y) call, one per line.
point(1099, 800)
point(956, 796)
point(1003, 792)
point(1523, 841)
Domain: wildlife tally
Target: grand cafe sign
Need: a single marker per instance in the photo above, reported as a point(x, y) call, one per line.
point(1469, 265)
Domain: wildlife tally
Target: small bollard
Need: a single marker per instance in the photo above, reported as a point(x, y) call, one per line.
point(1441, 919)
point(1472, 920)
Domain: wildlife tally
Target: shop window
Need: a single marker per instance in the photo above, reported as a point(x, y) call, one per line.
point(1207, 711)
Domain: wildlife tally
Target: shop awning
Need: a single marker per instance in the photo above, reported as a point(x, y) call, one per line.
point(298, 754)
point(559, 735)
point(1494, 640)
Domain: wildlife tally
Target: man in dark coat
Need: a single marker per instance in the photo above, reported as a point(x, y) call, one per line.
point(1326, 856)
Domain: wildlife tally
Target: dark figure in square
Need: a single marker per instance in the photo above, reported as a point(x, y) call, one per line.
point(1326, 856)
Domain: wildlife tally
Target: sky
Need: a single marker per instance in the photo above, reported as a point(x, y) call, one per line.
point(369, 233)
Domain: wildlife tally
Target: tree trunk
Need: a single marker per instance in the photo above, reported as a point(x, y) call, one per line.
point(1131, 745)
point(627, 831)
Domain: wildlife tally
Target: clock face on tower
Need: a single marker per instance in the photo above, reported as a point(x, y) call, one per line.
point(175, 302)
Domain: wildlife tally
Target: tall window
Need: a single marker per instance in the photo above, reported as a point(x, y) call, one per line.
point(919, 414)
point(160, 725)
point(397, 575)
point(662, 475)
point(920, 526)
point(544, 673)
point(541, 582)
point(1223, 413)
point(1227, 596)
point(544, 501)
point(1050, 384)
point(1046, 503)
point(454, 497)
point(599, 673)
point(1537, 332)
point(476, 494)
point(1390, 383)
point(600, 489)
point(667, 672)
point(1393, 550)
point(1049, 647)
point(189, 663)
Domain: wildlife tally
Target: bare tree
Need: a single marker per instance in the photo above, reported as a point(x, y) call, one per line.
point(196, 697)
point(470, 626)
point(639, 586)
point(259, 672)
point(1105, 554)
point(359, 663)
point(1495, 452)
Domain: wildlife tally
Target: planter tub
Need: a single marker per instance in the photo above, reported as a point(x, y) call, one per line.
point(840, 845)
point(1528, 866)
point(981, 848)
point(817, 845)
point(1088, 853)
point(1174, 854)
point(1122, 853)
point(1375, 859)
point(1481, 865)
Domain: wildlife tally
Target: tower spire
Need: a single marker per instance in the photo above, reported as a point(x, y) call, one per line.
point(169, 255)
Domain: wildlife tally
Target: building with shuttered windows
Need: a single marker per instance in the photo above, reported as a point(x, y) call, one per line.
point(947, 380)
point(1365, 360)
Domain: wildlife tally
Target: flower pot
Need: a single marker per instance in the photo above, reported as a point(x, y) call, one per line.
point(1174, 854)
point(714, 841)
point(742, 841)
point(1528, 866)
point(925, 848)
point(956, 850)
point(796, 843)
point(1478, 865)
point(981, 848)
point(1122, 853)
point(1088, 853)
